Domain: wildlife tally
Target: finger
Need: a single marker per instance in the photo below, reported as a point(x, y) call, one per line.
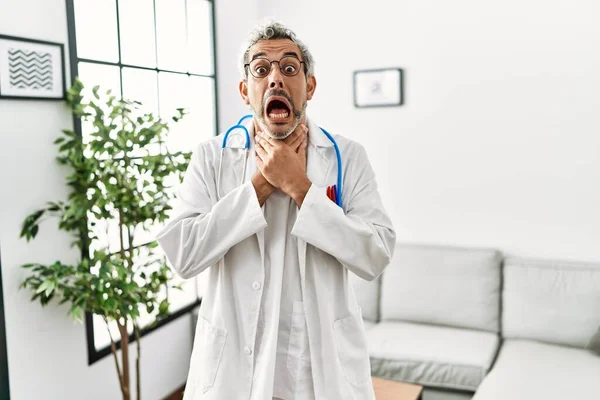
point(265, 142)
point(293, 137)
point(301, 137)
point(302, 148)
point(261, 152)
point(297, 145)
point(295, 142)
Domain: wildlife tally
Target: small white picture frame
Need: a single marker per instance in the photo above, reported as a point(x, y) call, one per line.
point(379, 87)
point(31, 69)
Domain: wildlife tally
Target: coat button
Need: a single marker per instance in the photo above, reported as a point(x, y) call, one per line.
point(247, 350)
point(256, 285)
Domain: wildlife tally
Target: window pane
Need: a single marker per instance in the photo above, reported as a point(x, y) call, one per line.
point(101, 336)
point(174, 93)
point(136, 21)
point(200, 31)
point(202, 109)
point(179, 299)
point(106, 76)
point(141, 85)
point(196, 94)
point(96, 26)
point(107, 234)
point(171, 34)
point(157, 258)
point(144, 236)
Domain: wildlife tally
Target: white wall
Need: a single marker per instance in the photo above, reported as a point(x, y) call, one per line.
point(497, 144)
point(234, 20)
point(47, 352)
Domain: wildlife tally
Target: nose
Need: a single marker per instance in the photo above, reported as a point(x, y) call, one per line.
point(275, 77)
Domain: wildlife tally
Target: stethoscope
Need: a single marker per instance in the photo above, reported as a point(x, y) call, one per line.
point(333, 192)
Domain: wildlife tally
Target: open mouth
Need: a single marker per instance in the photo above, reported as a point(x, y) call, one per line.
point(278, 109)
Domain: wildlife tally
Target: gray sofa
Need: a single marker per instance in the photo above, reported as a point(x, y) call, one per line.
point(468, 323)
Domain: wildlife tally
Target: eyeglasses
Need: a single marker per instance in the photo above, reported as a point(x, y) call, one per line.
point(261, 67)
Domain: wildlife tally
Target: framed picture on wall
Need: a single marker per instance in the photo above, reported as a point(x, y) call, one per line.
point(31, 69)
point(379, 87)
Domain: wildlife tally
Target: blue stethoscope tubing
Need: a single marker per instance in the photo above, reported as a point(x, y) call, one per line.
point(337, 188)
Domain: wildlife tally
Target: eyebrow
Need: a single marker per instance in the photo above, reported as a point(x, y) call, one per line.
point(258, 55)
point(292, 54)
point(286, 54)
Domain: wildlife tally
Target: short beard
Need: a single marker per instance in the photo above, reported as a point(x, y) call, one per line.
point(298, 114)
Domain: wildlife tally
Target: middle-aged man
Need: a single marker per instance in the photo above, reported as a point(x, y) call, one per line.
point(279, 318)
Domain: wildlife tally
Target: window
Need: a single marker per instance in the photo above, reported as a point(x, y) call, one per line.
point(161, 53)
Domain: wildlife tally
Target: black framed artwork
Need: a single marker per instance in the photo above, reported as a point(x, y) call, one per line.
point(382, 87)
point(31, 69)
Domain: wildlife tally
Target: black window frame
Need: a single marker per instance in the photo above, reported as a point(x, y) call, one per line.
point(94, 354)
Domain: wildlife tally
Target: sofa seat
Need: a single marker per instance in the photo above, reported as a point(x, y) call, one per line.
point(534, 370)
point(433, 356)
point(369, 324)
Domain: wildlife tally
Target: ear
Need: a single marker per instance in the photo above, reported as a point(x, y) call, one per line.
point(311, 85)
point(244, 91)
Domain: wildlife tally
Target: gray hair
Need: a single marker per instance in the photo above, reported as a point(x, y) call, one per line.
point(272, 30)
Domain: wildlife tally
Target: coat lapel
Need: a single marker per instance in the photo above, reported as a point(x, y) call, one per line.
point(320, 156)
point(320, 160)
point(250, 170)
point(234, 164)
point(320, 163)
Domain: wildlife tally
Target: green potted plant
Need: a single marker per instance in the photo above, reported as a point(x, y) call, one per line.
point(117, 176)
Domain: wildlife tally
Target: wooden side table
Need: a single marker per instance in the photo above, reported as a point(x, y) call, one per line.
point(386, 389)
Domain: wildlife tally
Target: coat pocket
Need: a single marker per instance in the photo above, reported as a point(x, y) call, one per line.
point(351, 346)
point(231, 170)
point(212, 343)
point(298, 355)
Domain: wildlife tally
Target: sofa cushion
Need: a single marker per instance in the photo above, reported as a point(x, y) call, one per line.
point(367, 296)
point(436, 356)
point(594, 344)
point(449, 286)
point(528, 370)
point(555, 302)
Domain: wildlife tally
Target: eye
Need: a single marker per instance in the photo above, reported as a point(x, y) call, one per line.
point(261, 70)
point(289, 69)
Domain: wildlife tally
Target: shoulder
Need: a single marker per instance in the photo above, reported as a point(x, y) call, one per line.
point(208, 150)
point(346, 146)
point(350, 149)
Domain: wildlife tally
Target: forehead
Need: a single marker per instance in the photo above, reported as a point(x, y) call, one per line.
point(274, 48)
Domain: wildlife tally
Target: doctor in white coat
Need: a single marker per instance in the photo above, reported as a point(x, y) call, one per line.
point(279, 318)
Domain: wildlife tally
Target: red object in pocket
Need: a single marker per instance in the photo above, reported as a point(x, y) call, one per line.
point(331, 193)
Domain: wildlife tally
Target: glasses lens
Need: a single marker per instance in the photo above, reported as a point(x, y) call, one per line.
point(260, 67)
point(290, 66)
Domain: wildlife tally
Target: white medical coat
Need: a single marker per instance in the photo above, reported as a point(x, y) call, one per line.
point(226, 234)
